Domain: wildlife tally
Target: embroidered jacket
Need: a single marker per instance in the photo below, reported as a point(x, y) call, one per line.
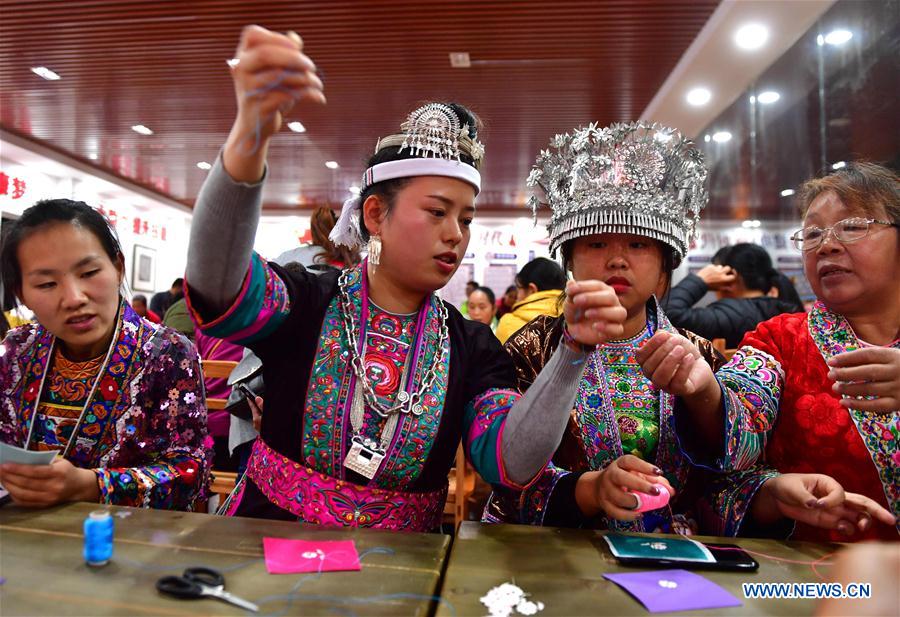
point(293, 322)
point(781, 409)
point(143, 433)
point(618, 411)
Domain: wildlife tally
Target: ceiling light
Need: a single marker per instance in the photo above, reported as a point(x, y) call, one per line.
point(233, 62)
point(820, 40)
point(768, 97)
point(838, 37)
point(699, 96)
point(706, 138)
point(839, 165)
point(93, 156)
point(751, 224)
point(204, 165)
point(297, 127)
point(460, 60)
point(354, 189)
point(140, 128)
point(721, 136)
point(752, 98)
point(751, 36)
point(331, 164)
point(787, 192)
point(43, 71)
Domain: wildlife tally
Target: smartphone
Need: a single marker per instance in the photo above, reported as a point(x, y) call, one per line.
point(642, 551)
point(726, 557)
point(250, 395)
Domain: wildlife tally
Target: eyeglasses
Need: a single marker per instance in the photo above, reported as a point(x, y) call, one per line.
point(846, 231)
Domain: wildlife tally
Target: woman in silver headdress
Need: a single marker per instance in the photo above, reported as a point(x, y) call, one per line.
point(625, 201)
point(371, 380)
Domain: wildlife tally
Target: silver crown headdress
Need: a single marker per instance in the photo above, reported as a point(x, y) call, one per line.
point(638, 178)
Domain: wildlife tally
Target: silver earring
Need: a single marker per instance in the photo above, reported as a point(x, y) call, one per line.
point(374, 251)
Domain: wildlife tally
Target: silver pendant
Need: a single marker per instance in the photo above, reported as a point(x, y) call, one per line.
point(364, 459)
point(402, 396)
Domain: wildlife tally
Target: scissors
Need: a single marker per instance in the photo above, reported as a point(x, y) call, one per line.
point(199, 582)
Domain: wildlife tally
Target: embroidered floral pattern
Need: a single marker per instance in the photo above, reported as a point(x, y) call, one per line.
point(319, 499)
point(140, 452)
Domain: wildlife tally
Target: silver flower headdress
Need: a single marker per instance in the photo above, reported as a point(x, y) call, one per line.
point(638, 178)
point(433, 135)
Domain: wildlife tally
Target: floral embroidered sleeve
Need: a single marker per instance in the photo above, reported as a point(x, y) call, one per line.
point(163, 457)
point(261, 306)
point(725, 506)
point(752, 383)
point(485, 419)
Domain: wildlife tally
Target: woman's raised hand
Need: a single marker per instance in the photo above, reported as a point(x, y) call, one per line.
point(271, 74)
point(593, 312)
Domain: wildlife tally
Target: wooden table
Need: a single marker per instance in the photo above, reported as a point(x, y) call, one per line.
point(563, 568)
point(41, 560)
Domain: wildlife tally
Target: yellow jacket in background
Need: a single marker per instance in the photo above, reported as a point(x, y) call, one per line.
point(540, 303)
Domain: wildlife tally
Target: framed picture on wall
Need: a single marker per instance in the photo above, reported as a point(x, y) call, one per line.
point(143, 269)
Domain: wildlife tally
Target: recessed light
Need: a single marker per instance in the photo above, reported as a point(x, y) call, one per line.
point(204, 165)
point(354, 189)
point(43, 71)
point(820, 40)
point(751, 224)
point(839, 165)
point(297, 127)
point(768, 97)
point(460, 60)
point(721, 136)
point(706, 138)
point(787, 192)
point(699, 96)
point(140, 128)
point(751, 36)
point(752, 98)
point(838, 37)
point(93, 156)
point(331, 164)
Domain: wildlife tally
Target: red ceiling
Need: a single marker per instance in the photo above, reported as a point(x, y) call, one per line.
point(538, 68)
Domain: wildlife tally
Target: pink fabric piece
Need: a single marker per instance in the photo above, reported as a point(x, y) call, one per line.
point(291, 556)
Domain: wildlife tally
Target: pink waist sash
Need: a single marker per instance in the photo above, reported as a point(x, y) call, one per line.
point(322, 500)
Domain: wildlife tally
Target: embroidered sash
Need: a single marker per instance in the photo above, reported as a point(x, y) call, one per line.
point(323, 500)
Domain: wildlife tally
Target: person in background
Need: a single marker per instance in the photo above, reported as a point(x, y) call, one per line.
point(470, 287)
point(818, 391)
point(506, 303)
point(120, 399)
point(741, 283)
point(160, 302)
point(139, 304)
point(321, 254)
point(178, 318)
point(483, 307)
point(218, 421)
point(783, 288)
point(4, 325)
point(539, 286)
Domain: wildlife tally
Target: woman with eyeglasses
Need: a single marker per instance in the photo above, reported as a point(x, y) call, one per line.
point(820, 392)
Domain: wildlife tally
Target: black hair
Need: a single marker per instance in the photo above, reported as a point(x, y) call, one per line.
point(473, 283)
point(138, 298)
point(720, 256)
point(179, 282)
point(754, 265)
point(488, 292)
point(543, 273)
point(4, 325)
point(54, 211)
point(387, 190)
point(787, 292)
point(509, 289)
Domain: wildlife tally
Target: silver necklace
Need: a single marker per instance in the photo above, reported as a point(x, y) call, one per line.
point(406, 402)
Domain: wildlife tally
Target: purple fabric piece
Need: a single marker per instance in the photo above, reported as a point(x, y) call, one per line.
point(673, 590)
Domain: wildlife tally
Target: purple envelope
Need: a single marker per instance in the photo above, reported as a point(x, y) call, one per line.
point(673, 590)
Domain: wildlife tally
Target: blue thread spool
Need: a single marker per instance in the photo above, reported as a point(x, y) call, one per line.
point(98, 538)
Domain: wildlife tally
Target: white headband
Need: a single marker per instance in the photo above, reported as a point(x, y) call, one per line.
point(347, 230)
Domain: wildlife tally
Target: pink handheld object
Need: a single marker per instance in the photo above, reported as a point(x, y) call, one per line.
point(646, 502)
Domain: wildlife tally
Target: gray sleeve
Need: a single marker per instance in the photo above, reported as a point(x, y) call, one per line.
point(226, 215)
point(536, 422)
